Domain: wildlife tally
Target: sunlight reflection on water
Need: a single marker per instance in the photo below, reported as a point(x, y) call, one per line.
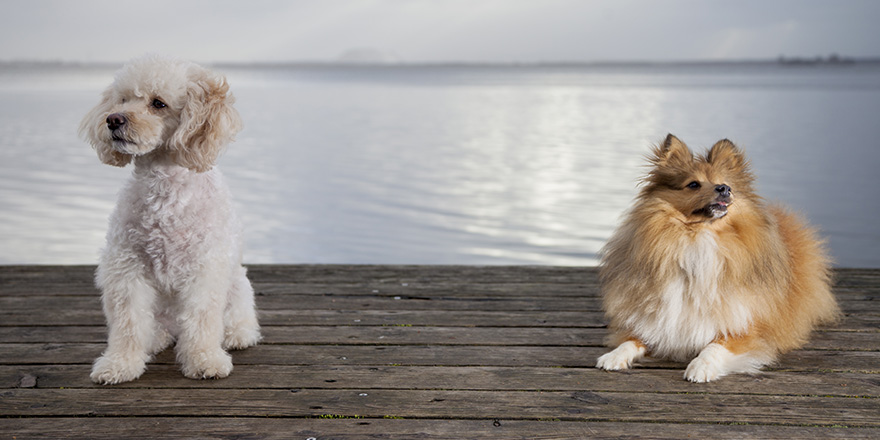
point(445, 165)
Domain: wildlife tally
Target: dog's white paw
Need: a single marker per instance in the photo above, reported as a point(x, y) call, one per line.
point(710, 365)
point(701, 371)
point(243, 337)
point(613, 361)
point(215, 364)
point(622, 357)
point(109, 370)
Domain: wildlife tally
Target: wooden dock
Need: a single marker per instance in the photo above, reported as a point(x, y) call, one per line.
point(421, 352)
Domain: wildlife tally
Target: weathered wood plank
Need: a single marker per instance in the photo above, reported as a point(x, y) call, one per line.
point(458, 378)
point(395, 280)
point(368, 302)
point(407, 334)
point(462, 289)
point(62, 314)
point(373, 403)
point(429, 355)
point(353, 274)
point(361, 318)
point(338, 302)
point(857, 277)
point(38, 304)
point(343, 274)
point(451, 347)
point(337, 274)
point(198, 428)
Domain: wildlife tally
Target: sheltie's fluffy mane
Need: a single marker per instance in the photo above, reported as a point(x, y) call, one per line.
point(700, 260)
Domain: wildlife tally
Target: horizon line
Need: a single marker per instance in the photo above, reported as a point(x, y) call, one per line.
point(793, 60)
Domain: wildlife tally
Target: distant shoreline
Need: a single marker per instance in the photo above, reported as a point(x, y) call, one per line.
point(783, 61)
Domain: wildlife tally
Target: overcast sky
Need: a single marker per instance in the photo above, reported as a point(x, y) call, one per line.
point(438, 30)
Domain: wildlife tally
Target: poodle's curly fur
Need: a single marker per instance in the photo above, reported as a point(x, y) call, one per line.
point(171, 269)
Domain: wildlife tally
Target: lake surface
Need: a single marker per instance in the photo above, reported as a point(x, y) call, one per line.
point(455, 164)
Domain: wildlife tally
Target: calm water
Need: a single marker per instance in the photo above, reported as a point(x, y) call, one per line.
point(455, 165)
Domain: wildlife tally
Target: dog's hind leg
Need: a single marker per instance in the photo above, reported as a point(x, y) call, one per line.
point(240, 318)
point(165, 329)
point(128, 301)
point(199, 345)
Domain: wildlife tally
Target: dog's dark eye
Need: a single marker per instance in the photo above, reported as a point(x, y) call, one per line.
point(158, 104)
point(694, 185)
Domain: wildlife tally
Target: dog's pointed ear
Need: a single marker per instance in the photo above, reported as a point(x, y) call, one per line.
point(725, 154)
point(672, 152)
point(208, 122)
point(93, 129)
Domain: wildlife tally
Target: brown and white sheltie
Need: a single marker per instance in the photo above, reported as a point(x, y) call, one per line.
point(702, 270)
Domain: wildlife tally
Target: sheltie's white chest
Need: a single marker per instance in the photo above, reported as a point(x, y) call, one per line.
point(683, 318)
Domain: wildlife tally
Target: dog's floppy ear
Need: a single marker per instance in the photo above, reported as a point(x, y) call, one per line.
point(93, 129)
point(207, 122)
point(724, 153)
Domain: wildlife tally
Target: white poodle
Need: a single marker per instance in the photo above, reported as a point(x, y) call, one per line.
point(171, 270)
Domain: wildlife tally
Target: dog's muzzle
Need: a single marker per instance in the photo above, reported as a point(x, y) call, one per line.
point(117, 123)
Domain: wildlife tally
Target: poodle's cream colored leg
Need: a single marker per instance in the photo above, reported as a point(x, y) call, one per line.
point(128, 306)
point(241, 327)
point(199, 346)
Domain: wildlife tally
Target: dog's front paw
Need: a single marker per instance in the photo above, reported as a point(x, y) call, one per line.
point(613, 361)
point(109, 370)
point(702, 370)
point(622, 357)
point(711, 364)
point(215, 364)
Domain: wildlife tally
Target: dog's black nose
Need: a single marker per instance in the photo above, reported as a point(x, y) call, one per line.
point(722, 189)
point(116, 120)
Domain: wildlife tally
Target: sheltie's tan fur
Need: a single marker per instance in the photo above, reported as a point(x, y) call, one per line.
point(702, 267)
